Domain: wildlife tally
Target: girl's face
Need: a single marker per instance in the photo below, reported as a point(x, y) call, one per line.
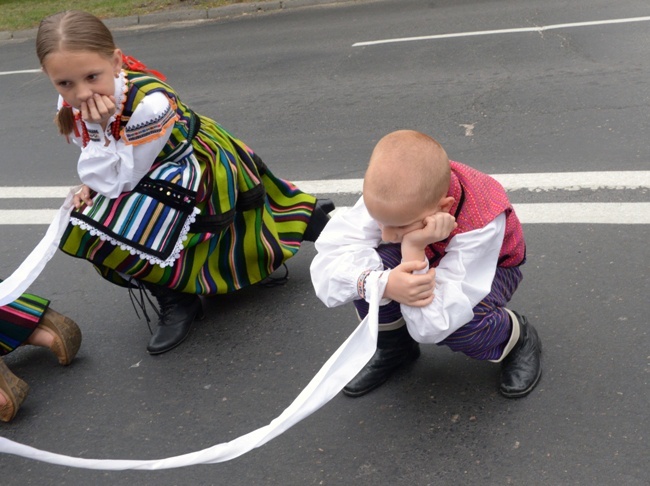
point(77, 75)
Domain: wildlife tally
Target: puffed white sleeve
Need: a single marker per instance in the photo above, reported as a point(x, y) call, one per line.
point(345, 251)
point(111, 166)
point(463, 278)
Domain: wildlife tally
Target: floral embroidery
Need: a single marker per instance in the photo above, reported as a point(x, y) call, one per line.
point(151, 129)
point(361, 283)
point(93, 135)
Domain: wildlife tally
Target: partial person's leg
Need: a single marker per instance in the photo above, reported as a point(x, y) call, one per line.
point(13, 391)
point(28, 320)
point(318, 219)
point(395, 346)
point(178, 311)
point(501, 335)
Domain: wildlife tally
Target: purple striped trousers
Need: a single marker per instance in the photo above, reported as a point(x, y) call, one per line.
point(486, 335)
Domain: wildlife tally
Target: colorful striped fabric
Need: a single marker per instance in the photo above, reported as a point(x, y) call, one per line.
point(19, 319)
point(249, 222)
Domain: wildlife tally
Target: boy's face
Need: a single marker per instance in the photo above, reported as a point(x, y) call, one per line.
point(394, 226)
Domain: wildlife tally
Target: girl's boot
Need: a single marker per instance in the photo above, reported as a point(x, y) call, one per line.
point(319, 218)
point(177, 312)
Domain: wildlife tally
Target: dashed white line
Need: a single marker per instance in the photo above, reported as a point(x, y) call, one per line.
point(538, 29)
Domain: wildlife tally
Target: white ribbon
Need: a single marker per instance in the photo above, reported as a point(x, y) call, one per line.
point(19, 281)
point(339, 369)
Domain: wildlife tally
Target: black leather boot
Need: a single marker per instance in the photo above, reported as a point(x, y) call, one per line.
point(521, 369)
point(177, 312)
point(318, 220)
point(394, 349)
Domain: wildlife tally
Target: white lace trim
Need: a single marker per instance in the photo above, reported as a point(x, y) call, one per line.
point(175, 255)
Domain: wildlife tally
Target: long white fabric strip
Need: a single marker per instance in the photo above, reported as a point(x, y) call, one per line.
point(339, 369)
point(19, 281)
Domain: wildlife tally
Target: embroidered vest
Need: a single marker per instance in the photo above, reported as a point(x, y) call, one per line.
point(479, 199)
point(179, 194)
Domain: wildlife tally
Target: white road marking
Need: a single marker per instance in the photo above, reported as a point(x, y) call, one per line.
point(535, 182)
point(538, 29)
point(607, 213)
point(24, 71)
point(539, 213)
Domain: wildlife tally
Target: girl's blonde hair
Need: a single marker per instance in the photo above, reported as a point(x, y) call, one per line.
point(72, 30)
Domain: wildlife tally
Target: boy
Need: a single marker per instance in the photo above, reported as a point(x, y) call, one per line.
point(443, 244)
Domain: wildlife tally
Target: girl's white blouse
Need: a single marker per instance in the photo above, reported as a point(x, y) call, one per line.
point(111, 166)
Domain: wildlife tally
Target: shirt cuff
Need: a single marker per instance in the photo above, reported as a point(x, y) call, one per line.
point(424, 270)
point(375, 280)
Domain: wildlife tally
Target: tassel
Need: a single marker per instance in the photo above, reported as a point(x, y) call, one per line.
point(134, 65)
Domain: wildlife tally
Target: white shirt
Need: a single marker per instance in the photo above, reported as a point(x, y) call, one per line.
point(111, 167)
point(347, 247)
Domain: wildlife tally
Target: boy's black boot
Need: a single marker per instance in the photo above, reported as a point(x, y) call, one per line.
point(177, 312)
point(318, 220)
point(394, 349)
point(521, 369)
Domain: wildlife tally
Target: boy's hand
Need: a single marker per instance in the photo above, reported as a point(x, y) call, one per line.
point(409, 289)
point(436, 228)
point(98, 109)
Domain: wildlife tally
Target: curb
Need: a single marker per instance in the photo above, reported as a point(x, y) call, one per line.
point(188, 14)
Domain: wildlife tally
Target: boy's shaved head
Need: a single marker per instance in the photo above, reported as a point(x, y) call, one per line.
point(407, 171)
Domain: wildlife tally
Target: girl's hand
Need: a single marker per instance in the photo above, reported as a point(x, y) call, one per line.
point(98, 109)
point(82, 196)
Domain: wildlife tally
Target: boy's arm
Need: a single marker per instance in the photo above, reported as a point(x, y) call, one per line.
point(463, 277)
point(346, 250)
point(412, 282)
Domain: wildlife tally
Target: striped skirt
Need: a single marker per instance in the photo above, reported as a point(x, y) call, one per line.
point(253, 244)
point(19, 319)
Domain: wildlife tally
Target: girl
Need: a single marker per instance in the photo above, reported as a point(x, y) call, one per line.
point(29, 320)
point(170, 200)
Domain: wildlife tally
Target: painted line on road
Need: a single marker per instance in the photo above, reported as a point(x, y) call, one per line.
point(538, 29)
point(543, 213)
point(534, 182)
point(24, 71)
point(595, 213)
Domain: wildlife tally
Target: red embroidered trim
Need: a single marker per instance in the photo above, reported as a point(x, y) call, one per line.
point(85, 138)
point(115, 127)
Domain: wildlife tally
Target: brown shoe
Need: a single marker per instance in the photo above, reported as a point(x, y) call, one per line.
point(13, 389)
point(67, 335)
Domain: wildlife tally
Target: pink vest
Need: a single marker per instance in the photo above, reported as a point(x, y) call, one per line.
point(478, 200)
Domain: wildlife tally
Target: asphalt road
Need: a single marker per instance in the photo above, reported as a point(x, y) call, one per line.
point(293, 87)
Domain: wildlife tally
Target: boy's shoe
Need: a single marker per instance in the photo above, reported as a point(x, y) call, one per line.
point(14, 391)
point(394, 349)
point(67, 335)
point(521, 369)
